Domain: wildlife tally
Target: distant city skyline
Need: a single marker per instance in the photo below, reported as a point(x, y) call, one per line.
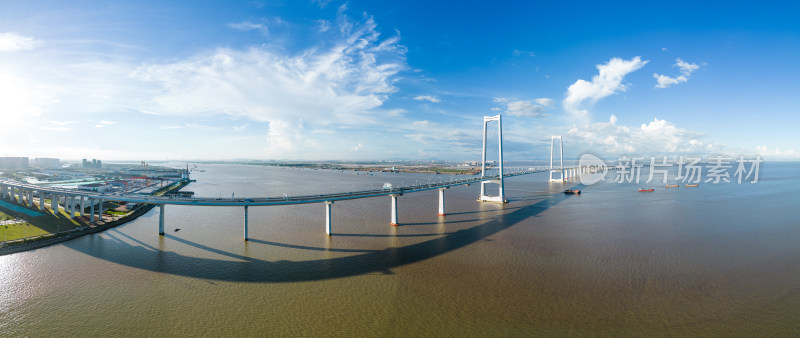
point(367, 80)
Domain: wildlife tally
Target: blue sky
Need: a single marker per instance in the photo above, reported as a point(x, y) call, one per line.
point(360, 80)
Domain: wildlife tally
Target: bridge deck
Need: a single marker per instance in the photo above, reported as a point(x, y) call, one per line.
point(260, 201)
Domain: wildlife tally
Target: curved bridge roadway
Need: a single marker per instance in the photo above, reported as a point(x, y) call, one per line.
point(7, 190)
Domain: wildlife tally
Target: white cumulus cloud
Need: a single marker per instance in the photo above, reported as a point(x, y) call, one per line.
point(686, 69)
point(608, 81)
point(783, 154)
point(10, 42)
point(653, 138)
point(544, 102)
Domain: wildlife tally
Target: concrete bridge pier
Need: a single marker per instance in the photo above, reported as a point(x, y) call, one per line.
point(100, 216)
point(72, 207)
point(83, 206)
point(245, 222)
point(91, 210)
point(41, 200)
point(394, 210)
point(160, 219)
point(441, 202)
point(328, 207)
point(54, 203)
point(30, 199)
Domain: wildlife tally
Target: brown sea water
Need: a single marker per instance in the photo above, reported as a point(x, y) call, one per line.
point(717, 260)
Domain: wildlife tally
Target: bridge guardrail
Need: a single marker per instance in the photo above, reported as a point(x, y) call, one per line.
point(149, 199)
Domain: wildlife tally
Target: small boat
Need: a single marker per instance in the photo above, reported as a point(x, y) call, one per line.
point(672, 185)
point(691, 185)
point(646, 190)
point(572, 192)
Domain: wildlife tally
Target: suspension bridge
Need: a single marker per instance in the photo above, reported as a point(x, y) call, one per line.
point(73, 201)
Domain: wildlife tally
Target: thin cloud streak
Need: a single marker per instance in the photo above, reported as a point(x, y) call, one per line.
point(342, 84)
point(12, 42)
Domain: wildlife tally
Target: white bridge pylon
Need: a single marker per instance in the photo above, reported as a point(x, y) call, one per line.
point(501, 195)
point(560, 170)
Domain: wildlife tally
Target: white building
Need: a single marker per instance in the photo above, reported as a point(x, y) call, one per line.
point(95, 187)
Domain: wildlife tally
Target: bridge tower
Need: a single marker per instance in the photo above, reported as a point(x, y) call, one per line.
point(560, 169)
point(501, 196)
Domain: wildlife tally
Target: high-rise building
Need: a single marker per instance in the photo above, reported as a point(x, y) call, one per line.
point(94, 163)
point(13, 162)
point(44, 162)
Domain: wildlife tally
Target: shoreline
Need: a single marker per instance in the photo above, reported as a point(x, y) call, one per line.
point(379, 168)
point(85, 230)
